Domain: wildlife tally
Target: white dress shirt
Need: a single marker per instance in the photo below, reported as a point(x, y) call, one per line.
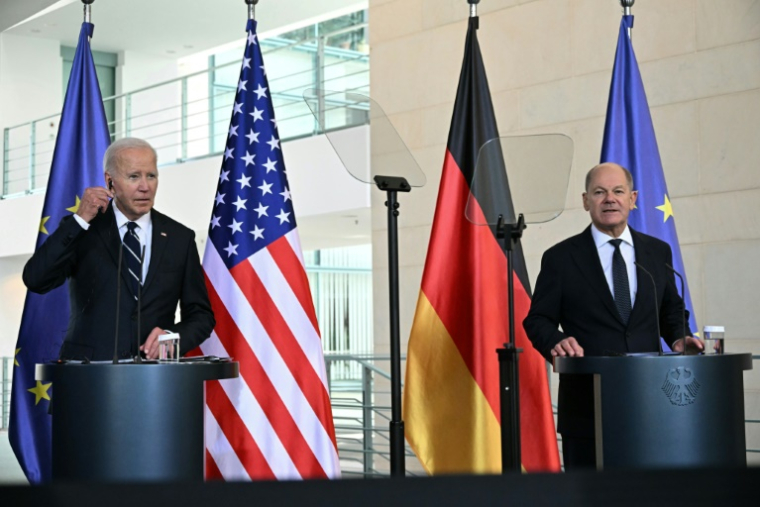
point(144, 231)
point(605, 249)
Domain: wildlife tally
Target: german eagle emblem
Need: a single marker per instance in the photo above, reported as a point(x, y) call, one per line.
point(680, 386)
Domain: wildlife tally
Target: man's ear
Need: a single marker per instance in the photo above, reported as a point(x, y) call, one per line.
point(585, 203)
point(634, 195)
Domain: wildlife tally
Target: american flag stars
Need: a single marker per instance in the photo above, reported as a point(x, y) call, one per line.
point(253, 137)
point(260, 92)
point(253, 196)
point(244, 181)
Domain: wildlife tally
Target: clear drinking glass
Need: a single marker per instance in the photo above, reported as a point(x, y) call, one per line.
point(714, 336)
point(168, 348)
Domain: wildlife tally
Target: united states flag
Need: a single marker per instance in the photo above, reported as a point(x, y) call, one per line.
point(274, 421)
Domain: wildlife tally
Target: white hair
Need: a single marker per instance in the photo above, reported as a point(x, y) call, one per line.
point(112, 153)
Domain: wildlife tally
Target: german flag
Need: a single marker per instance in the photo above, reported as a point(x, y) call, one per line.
point(451, 396)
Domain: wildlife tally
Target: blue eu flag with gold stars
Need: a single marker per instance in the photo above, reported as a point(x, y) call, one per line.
point(629, 140)
point(77, 164)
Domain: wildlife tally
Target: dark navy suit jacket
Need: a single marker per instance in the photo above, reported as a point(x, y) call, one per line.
point(572, 292)
point(88, 260)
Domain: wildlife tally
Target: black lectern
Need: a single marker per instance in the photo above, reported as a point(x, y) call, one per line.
point(129, 422)
point(666, 411)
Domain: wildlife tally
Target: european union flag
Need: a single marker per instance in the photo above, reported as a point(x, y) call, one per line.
point(629, 140)
point(77, 164)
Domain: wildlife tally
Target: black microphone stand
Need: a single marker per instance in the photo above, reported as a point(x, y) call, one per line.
point(391, 185)
point(509, 359)
point(138, 358)
point(118, 304)
point(683, 303)
point(656, 307)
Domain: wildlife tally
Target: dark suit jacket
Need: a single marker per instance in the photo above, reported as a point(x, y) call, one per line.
point(572, 292)
point(88, 259)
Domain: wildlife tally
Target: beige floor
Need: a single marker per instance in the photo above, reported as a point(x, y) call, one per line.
point(10, 471)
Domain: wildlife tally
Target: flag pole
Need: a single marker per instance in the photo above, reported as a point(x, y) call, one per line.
point(627, 4)
point(473, 8)
point(87, 10)
point(251, 8)
point(509, 356)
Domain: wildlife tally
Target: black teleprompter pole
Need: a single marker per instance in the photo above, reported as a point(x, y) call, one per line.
point(391, 186)
point(509, 360)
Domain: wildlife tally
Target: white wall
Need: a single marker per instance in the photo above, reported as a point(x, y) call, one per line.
point(156, 113)
point(30, 78)
point(30, 87)
point(12, 294)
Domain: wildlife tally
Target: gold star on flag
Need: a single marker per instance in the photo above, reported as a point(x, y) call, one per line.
point(15, 361)
point(40, 392)
point(42, 225)
point(75, 207)
point(666, 208)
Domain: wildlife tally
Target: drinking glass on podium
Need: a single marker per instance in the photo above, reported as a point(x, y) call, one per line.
point(714, 336)
point(168, 348)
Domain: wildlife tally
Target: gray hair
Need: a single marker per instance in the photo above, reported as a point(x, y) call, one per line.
point(110, 159)
point(628, 175)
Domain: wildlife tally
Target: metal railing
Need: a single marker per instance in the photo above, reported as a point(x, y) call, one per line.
point(187, 118)
point(6, 370)
point(362, 412)
point(340, 280)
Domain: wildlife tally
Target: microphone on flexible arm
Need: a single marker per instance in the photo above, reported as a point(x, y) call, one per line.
point(683, 301)
point(656, 306)
point(118, 304)
point(138, 359)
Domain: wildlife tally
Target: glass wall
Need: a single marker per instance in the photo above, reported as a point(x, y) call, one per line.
point(188, 117)
point(331, 55)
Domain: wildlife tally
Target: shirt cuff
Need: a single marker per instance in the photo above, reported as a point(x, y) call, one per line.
point(81, 222)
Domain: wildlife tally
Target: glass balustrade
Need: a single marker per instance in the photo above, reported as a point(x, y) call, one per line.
point(187, 118)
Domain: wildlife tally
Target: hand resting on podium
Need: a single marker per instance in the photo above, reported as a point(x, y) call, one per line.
point(567, 347)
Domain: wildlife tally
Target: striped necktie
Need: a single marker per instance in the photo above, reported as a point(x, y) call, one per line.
point(132, 250)
point(620, 282)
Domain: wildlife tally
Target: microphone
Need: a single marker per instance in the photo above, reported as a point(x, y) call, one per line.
point(118, 304)
point(683, 302)
point(138, 359)
point(656, 306)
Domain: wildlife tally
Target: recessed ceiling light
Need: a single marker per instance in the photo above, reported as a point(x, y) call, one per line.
point(170, 51)
point(188, 46)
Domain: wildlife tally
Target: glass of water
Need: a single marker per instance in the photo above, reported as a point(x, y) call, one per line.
point(714, 336)
point(168, 348)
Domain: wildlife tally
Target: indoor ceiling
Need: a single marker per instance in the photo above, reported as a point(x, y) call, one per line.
point(172, 28)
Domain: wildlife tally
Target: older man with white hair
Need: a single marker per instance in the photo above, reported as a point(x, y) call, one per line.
point(160, 263)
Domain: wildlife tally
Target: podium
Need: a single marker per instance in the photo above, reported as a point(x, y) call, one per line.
point(669, 411)
point(130, 422)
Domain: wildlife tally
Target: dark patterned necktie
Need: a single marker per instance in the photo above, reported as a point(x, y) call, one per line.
point(620, 282)
point(131, 246)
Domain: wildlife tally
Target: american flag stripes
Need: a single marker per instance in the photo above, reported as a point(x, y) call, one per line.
point(275, 420)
